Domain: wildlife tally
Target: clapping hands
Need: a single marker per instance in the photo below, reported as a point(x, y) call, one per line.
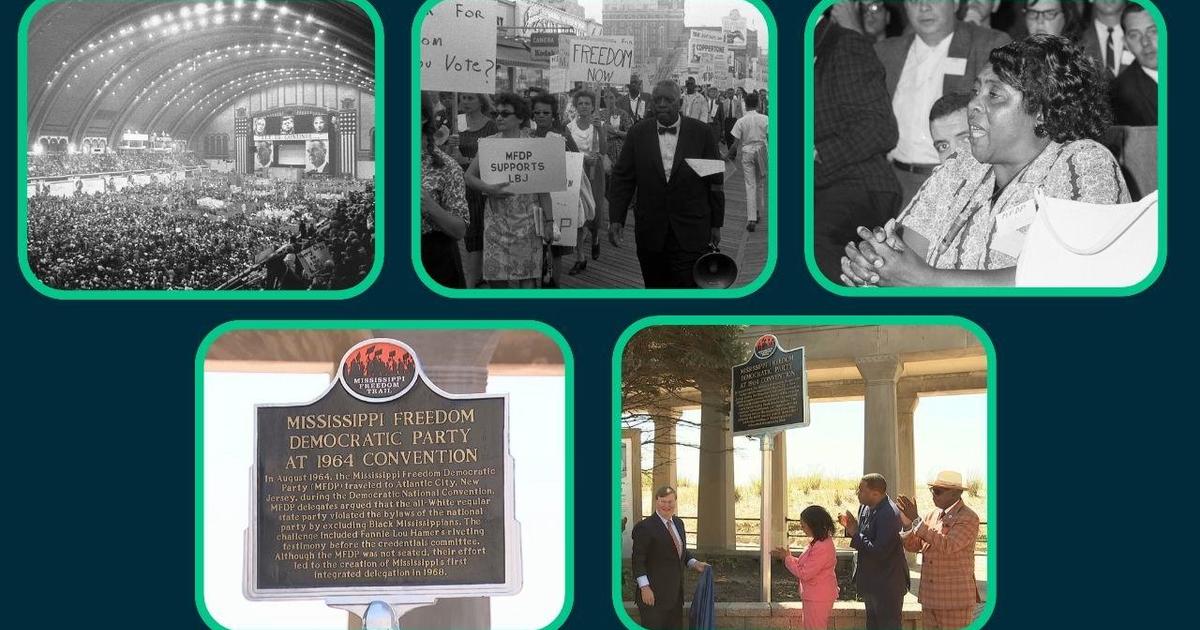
point(908, 510)
point(848, 521)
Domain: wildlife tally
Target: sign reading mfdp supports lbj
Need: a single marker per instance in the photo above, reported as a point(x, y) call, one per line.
point(527, 165)
point(600, 60)
point(458, 47)
point(770, 390)
point(385, 485)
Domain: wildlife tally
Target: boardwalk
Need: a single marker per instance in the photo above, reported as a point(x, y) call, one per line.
point(618, 268)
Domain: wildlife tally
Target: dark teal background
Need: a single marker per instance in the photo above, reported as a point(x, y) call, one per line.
point(1095, 468)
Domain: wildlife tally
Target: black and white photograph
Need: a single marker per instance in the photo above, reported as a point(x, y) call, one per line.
point(659, 111)
point(993, 144)
point(182, 146)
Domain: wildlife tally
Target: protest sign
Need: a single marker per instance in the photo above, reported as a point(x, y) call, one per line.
point(566, 203)
point(600, 60)
point(458, 48)
point(527, 165)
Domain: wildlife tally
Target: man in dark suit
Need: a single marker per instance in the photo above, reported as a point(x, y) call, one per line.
point(1103, 37)
point(716, 114)
point(660, 555)
point(853, 125)
point(638, 104)
point(1135, 92)
point(679, 214)
point(938, 56)
point(881, 572)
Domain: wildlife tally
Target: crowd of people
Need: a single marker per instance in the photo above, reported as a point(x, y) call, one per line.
point(58, 164)
point(510, 240)
point(931, 123)
point(209, 232)
point(882, 530)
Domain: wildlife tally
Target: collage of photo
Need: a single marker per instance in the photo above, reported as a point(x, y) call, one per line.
point(633, 197)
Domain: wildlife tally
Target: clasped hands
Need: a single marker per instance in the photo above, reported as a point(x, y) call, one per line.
point(882, 259)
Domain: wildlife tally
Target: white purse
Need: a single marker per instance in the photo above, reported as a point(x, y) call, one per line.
point(1075, 244)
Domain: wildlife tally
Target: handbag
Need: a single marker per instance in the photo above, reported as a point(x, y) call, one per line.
point(1076, 244)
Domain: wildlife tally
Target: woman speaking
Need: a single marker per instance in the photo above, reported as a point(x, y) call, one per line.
point(1036, 113)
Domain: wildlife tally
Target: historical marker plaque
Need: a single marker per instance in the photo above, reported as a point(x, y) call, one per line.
point(384, 485)
point(770, 390)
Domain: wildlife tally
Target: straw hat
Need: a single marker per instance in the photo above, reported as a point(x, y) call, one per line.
point(947, 479)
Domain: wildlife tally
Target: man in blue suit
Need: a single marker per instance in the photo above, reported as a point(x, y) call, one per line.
point(881, 572)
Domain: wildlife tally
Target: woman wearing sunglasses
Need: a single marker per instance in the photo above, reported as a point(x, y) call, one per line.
point(514, 224)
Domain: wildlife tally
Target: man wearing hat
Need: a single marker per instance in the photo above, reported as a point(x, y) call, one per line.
point(946, 541)
point(660, 555)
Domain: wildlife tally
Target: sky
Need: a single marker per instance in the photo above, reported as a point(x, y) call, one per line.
point(949, 433)
point(701, 13)
point(539, 472)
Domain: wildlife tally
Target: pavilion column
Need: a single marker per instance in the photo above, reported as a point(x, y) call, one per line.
point(456, 361)
point(715, 527)
point(666, 472)
point(906, 406)
point(881, 453)
point(631, 486)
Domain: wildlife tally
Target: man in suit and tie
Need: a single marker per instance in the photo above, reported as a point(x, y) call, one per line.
point(945, 538)
point(638, 104)
point(1104, 39)
point(716, 114)
point(881, 571)
point(853, 130)
point(1135, 92)
point(939, 55)
point(660, 555)
point(679, 214)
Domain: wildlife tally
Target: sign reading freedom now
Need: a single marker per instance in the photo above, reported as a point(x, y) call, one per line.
point(600, 60)
point(527, 165)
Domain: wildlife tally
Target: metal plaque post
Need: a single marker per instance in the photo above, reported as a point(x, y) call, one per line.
point(764, 523)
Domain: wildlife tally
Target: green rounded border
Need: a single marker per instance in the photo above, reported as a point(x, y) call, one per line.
point(772, 198)
point(204, 294)
point(838, 289)
point(804, 320)
point(568, 433)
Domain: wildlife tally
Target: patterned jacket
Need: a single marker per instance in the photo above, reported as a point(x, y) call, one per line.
point(946, 541)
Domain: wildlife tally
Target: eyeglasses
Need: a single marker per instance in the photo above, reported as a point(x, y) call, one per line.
point(503, 114)
point(1049, 15)
point(871, 7)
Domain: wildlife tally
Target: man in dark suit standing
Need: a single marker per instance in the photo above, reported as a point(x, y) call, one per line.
point(1104, 38)
point(1135, 92)
point(881, 572)
point(853, 130)
point(938, 56)
point(638, 104)
point(679, 214)
point(660, 555)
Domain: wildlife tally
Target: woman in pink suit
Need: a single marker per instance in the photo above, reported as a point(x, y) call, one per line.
point(814, 568)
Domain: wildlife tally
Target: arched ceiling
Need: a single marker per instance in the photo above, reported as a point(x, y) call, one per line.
point(98, 68)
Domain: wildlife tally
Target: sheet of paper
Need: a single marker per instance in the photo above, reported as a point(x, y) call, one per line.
point(704, 168)
point(1010, 243)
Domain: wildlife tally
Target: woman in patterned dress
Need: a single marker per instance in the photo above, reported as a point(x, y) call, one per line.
point(477, 109)
point(591, 137)
point(514, 224)
point(1037, 111)
point(444, 213)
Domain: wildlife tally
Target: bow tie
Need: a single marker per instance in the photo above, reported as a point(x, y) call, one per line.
point(665, 130)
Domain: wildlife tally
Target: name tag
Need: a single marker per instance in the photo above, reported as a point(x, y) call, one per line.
point(955, 65)
point(1012, 225)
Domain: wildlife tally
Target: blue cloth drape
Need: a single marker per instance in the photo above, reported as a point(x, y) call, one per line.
point(703, 614)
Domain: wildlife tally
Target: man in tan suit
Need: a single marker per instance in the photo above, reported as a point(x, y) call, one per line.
point(946, 541)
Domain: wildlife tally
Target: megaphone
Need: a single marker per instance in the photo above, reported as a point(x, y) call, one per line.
point(714, 270)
